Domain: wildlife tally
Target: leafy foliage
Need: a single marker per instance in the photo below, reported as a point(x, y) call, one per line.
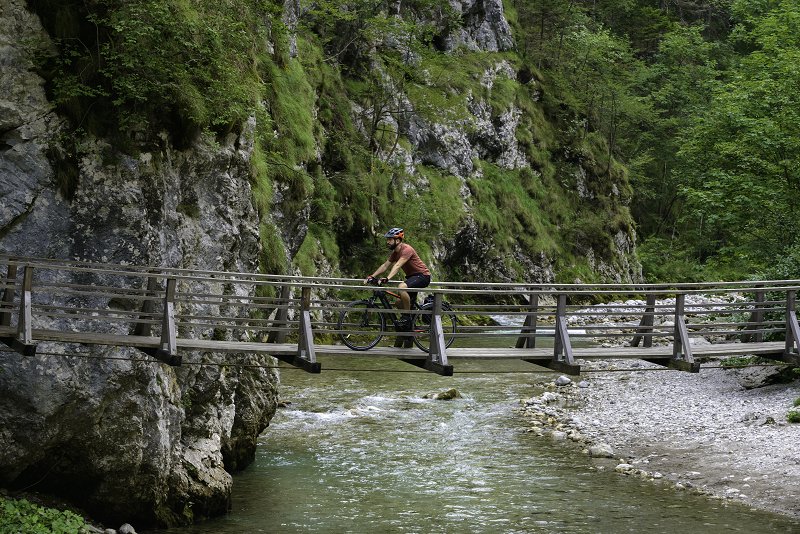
point(180, 65)
point(741, 162)
point(24, 516)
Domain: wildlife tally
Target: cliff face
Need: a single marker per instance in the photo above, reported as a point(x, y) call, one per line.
point(460, 151)
point(129, 440)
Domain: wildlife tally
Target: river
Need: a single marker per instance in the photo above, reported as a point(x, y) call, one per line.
point(360, 450)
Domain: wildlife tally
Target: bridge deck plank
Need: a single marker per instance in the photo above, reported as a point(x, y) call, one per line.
point(544, 354)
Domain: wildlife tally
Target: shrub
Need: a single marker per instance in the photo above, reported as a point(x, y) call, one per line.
point(737, 362)
point(793, 416)
point(24, 516)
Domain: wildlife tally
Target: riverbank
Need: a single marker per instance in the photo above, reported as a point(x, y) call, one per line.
point(699, 432)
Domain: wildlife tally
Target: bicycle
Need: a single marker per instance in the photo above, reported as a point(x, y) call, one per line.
point(362, 324)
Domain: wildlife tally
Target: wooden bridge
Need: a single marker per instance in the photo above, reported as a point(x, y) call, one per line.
point(167, 313)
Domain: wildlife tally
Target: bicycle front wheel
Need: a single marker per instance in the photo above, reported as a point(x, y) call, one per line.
point(422, 326)
point(359, 327)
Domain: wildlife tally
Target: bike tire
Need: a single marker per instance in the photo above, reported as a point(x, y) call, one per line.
point(366, 327)
point(422, 324)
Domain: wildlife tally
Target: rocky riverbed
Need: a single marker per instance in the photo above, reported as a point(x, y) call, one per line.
point(711, 432)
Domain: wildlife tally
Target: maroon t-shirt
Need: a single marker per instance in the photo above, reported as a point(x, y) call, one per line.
point(414, 265)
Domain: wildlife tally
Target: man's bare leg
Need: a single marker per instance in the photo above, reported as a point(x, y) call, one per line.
point(404, 305)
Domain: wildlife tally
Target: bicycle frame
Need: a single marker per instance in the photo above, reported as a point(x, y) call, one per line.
point(381, 295)
point(358, 323)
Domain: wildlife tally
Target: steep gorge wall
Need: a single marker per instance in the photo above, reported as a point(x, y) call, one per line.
point(127, 440)
point(491, 182)
point(476, 185)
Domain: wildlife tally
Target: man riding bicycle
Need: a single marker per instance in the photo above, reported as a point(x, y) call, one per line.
point(403, 256)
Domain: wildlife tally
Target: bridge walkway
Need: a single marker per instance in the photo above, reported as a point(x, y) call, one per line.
point(167, 313)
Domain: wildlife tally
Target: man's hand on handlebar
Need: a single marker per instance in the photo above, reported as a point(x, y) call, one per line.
point(372, 281)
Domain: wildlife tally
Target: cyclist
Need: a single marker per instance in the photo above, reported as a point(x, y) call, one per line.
point(403, 256)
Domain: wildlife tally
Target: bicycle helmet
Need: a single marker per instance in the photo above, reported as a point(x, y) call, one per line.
point(396, 233)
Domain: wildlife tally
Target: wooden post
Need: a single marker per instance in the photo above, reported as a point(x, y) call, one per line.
point(281, 317)
point(306, 357)
point(167, 351)
point(24, 320)
point(563, 360)
point(437, 357)
point(23, 341)
point(528, 338)
point(144, 329)
point(757, 317)
point(8, 295)
point(169, 335)
point(792, 351)
point(645, 331)
point(681, 349)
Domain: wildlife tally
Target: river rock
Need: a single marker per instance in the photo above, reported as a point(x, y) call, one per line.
point(601, 450)
point(625, 468)
point(450, 394)
point(562, 381)
point(126, 529)
point(757, 377)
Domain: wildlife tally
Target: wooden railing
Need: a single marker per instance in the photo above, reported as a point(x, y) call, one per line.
point(165, 312)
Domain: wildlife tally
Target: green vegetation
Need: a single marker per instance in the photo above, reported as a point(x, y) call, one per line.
point(737, 362)
point(680, 125)
point(23, 516)
point(793, 416)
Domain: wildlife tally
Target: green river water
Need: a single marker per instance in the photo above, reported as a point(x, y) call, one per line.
point(362, 451)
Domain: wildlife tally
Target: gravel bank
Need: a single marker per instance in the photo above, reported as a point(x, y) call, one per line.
point(700, 432)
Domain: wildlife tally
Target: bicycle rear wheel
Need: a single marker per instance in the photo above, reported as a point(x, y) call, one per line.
point(422, 326)
point(361, 328)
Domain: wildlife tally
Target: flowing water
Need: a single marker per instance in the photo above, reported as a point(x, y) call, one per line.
point(363, 451)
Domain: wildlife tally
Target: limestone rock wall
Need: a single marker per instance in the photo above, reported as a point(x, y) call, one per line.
point(131, 440)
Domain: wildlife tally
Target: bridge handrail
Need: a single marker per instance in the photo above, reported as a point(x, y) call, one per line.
point(181, 303)
point(436, 286)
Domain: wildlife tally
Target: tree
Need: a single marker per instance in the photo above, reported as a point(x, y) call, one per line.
point(741, 166)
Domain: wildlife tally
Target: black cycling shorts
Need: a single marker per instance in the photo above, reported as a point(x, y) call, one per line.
point(418, 280)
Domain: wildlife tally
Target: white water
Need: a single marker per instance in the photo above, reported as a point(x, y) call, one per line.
point(364, 452)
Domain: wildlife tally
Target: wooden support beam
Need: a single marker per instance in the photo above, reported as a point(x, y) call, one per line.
point(563, 359)
point(24, 318)
point(792, 352)
point(528, 338)
point(26, 349)
point(646, 324)
point(437, 346)
point(23, 342)
point(296, 361)
point(306, 358)
point(167, 351)
point(436, 361)
point(682, 358)
point(757, 317)
point(148, 308)
point(8, 295)
point(281, 316)
point(429, 365)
